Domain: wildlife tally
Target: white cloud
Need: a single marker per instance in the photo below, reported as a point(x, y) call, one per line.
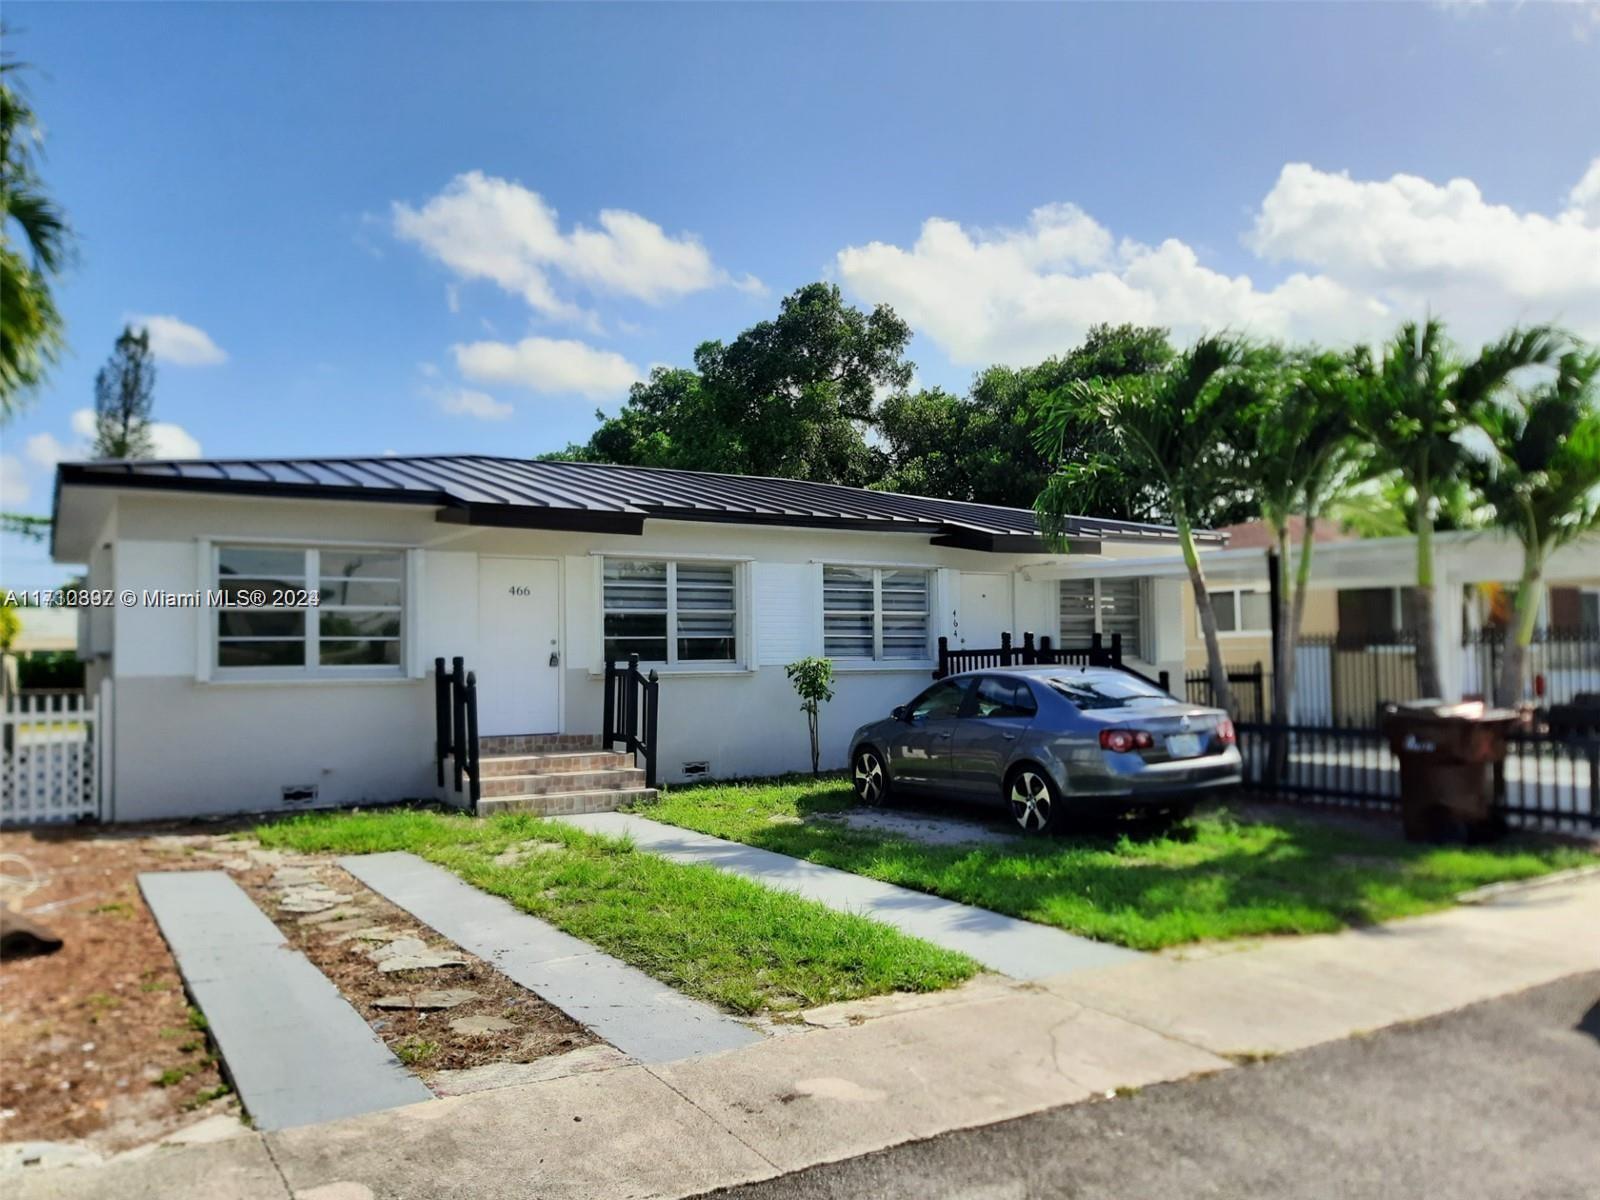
point(482, 227)
point(464, 402)
point(47, 450)
point(13, 484)
point(1377, 252)
point(547, 365)
point(178, 342)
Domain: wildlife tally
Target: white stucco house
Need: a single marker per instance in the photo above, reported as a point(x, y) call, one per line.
point(535, 573)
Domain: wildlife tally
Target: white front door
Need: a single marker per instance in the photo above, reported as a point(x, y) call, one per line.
point(519, 639)
point(985, 610)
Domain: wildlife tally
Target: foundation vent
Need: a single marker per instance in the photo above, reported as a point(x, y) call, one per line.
point(295, 794)
point(694, 770)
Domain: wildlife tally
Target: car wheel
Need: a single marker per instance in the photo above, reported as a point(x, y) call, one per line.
point(1033, 802)
point(869, 776)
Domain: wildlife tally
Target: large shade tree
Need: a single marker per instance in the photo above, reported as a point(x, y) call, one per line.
point(1542, 481)
point(1422, 399)
point(789, 397)
point(1175, 429)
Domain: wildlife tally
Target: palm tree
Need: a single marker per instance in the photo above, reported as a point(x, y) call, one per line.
point(1422, 399)
point(30, 326)
point(1542, 479)
point(1304, 459)
point(1168, 429)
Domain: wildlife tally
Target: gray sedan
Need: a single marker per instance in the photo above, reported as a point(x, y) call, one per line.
point(1049, 742)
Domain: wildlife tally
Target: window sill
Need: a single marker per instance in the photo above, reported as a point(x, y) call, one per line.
point(679, 672)
point(305, 680)
point(897, 667)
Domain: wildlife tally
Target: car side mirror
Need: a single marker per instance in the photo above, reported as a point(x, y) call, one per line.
point(901, 713)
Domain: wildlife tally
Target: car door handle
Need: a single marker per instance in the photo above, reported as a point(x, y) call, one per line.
point(1010, 737)
point(942, 735)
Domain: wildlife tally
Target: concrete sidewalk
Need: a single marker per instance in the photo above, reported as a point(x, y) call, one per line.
point(876, 1073)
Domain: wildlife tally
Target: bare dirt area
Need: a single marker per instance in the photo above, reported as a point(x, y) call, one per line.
point(97, 1041)
point(453, 1016)
point(100, 1047)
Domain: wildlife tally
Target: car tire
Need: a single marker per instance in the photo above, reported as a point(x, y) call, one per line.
point(1034, 802)
point(869, 776)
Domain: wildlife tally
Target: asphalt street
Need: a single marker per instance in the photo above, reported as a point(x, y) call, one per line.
point(1500, 1100)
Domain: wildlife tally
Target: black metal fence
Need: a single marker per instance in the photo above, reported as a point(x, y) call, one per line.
point(1560, 664)
point(1546, 782)
point(1251, 685)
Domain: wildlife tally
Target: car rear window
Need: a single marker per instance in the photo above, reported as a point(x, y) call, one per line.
point(1106, 691)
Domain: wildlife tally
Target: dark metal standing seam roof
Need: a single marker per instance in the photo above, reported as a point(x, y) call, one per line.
point(482, 489)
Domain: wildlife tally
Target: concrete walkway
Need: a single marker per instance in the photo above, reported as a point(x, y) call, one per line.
point(294, 1048)
point(1020, 949)
point(645, 1019)
point(876, 1073)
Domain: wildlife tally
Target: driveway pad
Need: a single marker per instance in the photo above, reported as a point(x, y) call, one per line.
point(643, 1018)
point(297, 1052)
point(1020, 949)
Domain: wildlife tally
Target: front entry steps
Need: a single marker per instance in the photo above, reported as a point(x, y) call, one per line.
point(556, 774)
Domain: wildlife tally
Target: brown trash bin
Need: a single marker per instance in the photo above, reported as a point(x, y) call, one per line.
point(1446, 753)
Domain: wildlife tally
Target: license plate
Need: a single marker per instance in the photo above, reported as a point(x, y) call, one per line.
point(1183, 745)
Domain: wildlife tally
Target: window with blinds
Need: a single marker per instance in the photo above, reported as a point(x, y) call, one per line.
point(875, 613)
point(670, 612)
point(1106, 607)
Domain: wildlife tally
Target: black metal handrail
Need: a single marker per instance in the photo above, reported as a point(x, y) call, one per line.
point(455, 719)
point(632, 702)
point(1042, 652)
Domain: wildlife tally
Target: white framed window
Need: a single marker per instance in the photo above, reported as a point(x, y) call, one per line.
point(876, 614)
point(1106, 607)
point(290, 612)
point(1240, 610)
point(670, 612)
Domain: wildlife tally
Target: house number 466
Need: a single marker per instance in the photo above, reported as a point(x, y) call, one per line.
point(521, 589)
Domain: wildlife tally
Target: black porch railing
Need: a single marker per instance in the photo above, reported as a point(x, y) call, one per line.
point(1030, 653)
point(632, 704)
point(455, 719)
point(1547, 781)
point(1559, 664)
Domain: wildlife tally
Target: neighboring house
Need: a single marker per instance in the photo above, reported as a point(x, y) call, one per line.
point(535, 573)
point(1355, 614)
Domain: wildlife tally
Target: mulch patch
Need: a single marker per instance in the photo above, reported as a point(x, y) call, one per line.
point(422, 1039)
point(96, 1038)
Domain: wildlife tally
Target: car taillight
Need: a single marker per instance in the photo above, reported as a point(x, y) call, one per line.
point(1225, 732)
point(1120, 741)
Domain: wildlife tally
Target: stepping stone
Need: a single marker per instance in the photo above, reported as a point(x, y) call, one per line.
point(291, 877)
point(296, 1050)
point(522, 851)
point(327, 916)
point(581, 1061)
point(368, 933)
point(311, 900)
point(342, 924)
point(481, 1026)
point(428, 1001)
point(412, 954)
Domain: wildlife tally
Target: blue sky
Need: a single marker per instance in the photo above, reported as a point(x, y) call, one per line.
point(371, 228)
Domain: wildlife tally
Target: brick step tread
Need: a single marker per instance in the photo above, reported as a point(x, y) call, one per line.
point(555, 784)
point(537, 743)
point(566, 803)
point(555, 763)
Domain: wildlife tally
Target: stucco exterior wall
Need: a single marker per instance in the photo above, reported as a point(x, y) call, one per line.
point(190, 741)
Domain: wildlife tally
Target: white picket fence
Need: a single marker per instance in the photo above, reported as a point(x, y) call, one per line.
point(55, 757)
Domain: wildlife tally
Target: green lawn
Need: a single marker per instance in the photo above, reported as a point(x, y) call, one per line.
point(710, 934)
point(1213, 877)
